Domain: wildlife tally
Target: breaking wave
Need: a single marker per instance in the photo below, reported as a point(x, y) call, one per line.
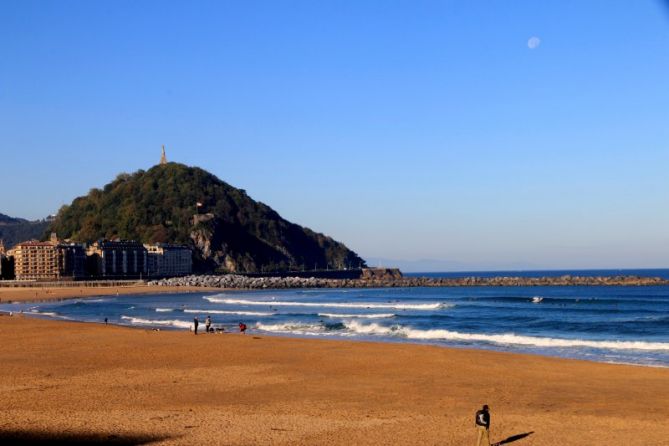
point(240, 313)
point(168, 323)
point(47, 313)
point(164, 310)
point(356, 328)
point(295, 328)
point(358, 316)
point(393, 306)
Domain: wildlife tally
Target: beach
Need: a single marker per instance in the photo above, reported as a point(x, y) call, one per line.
point(72, 381)
point(44, 294)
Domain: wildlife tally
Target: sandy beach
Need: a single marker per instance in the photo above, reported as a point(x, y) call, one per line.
point(67, 381)
point(38, 294)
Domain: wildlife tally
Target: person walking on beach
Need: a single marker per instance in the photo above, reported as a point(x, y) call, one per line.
point(207, 324)
point(195, 324)
point(483, 426)
point(242, 327)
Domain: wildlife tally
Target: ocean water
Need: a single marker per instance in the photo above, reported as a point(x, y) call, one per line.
point(656, 272)
point(606, 324)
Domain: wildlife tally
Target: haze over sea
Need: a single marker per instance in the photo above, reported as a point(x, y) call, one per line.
point(606, 324)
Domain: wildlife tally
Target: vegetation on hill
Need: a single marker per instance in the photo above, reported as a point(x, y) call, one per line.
point(6, 219)
point(15, 230)
point(233, 232)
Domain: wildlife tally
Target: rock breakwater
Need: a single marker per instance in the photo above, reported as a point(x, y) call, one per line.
point(234, 281)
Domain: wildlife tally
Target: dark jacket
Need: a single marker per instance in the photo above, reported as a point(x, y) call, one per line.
point(483, 418)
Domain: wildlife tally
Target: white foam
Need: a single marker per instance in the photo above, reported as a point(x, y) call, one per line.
point(171, 322)
point(293, 328)
point(241, 313)
point(358, 316)
point(394, 306)
point(353, 327)
point(504, 339)
point(164, 310)
point(46, 313)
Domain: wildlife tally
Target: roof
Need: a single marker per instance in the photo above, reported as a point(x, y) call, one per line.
point(33, 243)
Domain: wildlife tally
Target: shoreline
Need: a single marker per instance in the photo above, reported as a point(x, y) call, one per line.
point(272, 335)
point(55, 294)
point(87, 379)
point(537, 347)
point(252, 331)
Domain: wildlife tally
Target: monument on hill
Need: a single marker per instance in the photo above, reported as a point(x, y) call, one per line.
point(163, 157)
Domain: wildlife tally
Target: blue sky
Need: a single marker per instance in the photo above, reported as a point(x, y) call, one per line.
point(409, 130)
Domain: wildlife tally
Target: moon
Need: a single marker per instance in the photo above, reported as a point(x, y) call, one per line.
point(534, 42)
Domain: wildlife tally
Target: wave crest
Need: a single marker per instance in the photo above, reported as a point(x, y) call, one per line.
point(358, 316)
point(393, 306)
point(374, 329)
point(240, 313)
point(169, 323)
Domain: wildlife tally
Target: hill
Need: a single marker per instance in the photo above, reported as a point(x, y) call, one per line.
point(7, 220)
point(15, 230)
point(231, 232)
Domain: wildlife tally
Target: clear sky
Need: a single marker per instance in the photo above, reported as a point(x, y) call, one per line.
point(406, 129)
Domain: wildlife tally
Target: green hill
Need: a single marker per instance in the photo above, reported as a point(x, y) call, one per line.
point(231, 233)
point(15, 230)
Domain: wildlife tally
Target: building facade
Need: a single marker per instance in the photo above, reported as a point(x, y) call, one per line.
point(165, 260)
point(123, 259)
point(5, 263)
point(71, 260)
point(6, 267)
point(50, 260)
point(35, 260)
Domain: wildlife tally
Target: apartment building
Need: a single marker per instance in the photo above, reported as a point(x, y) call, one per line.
point(164, 260)
point(50, 260)
point(35, 260)
point(119, 259)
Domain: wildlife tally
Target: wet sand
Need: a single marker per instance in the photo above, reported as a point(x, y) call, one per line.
point(75, 381)
point(38, 294)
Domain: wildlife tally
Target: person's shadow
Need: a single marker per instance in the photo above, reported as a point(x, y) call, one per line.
point(513, 438)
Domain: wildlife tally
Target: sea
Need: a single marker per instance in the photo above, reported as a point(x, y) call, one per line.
point(605, 324)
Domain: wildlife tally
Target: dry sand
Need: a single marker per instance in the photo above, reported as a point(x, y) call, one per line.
point(82, 382)
point(38, 294)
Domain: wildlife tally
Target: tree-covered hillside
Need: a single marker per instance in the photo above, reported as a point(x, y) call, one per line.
point(15, 230)
point(233, 232)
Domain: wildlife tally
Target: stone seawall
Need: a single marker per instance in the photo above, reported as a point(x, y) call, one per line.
point(243, 282)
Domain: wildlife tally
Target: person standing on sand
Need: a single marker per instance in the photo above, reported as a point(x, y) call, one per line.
point(207, 324)
point(483, 426)
point(195, 324)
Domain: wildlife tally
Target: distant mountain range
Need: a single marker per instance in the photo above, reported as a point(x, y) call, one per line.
point(14, 230)
point(230, 232)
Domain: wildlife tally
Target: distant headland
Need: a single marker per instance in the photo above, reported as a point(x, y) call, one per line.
point(172, 204)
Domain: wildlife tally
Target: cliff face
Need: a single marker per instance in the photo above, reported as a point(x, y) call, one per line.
point(229, 231)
